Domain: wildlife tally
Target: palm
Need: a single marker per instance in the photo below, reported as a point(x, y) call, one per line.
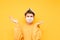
point(13, 19)
point(39, 23)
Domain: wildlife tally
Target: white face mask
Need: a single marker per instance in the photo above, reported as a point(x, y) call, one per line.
point(29, 19)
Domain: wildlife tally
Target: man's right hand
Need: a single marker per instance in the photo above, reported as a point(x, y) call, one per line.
point(13, 20)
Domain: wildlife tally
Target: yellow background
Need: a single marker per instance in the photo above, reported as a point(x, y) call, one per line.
point(46, 10)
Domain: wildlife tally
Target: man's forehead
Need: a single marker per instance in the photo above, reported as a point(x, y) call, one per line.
point(29, 14)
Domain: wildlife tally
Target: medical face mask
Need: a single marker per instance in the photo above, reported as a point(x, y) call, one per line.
point(29, 19)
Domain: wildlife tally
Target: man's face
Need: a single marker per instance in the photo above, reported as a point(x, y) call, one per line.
point(29, 18)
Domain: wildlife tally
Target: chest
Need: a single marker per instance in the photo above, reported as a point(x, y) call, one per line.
point(27, 31)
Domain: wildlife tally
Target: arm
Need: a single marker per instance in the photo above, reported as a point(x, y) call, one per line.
point(17, 29)
point(36, 31)
point(38, 34)
point(17, 33)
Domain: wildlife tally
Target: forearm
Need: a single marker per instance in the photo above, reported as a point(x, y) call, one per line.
point(17, 33)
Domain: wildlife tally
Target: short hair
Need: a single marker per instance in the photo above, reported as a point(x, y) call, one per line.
point(30, 12)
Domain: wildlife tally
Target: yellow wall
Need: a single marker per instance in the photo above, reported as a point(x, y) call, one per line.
point(46, 10)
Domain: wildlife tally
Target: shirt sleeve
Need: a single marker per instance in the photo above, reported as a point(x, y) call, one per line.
point(36, 34)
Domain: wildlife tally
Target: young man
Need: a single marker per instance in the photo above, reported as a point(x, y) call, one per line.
point(29, 31)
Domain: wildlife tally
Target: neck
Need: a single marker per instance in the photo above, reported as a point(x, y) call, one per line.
point(29, 23)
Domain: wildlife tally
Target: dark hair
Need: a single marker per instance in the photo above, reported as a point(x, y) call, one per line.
point(30, 12)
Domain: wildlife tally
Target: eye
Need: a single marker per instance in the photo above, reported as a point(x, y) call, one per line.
point(27, 16)
point(31, 16)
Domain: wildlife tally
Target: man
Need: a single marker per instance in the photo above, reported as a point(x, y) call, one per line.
point(29, 31)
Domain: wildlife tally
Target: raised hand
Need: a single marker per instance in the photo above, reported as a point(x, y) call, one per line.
point(13, 19)
point(39, 23)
